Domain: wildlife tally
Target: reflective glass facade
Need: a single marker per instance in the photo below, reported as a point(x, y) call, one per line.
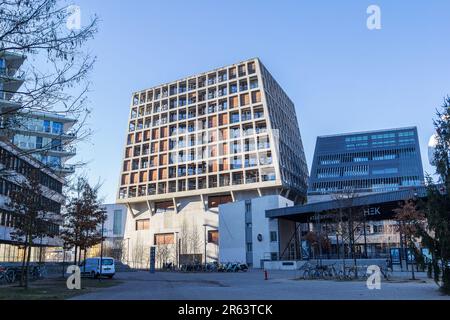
point(375, 161)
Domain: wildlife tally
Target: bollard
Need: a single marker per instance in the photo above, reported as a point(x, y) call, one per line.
point(266, 275)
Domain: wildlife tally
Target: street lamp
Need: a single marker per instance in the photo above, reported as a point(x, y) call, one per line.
point(205, 242)
point(177, 249)
point(101, 251)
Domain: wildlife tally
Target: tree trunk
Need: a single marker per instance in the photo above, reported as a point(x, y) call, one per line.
point(27, 266)
point(79, 255)
point(412, 262)
point(24, 259)
point(75, 255)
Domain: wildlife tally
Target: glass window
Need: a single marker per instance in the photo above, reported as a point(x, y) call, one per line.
point(46, 126)
point(117, 223)
point(54, 161)
point(213, 236)
point(273, 236)
point(215, 201)
point(143, 224)
point(57, 127)
point(164, 238)
point(38, 142)
point(56, 144)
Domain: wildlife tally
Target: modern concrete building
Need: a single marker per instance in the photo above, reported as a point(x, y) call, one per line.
point(225, 135)
point(48, 137)
point(365, 162)
point(13, 168)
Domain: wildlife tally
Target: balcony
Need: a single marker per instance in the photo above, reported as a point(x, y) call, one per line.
point(6, 102)
point(63, 151)
point(64, 169)
point(12, 74)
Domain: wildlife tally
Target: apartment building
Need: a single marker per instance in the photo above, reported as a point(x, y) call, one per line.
point(224, 135)
point(11, 79)
point(48, 137)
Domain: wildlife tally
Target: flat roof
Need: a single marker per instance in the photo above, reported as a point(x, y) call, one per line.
point(193, 76)
point(358, 201)
point(367, 132)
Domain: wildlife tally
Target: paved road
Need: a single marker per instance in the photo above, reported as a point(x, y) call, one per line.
point(251, 285)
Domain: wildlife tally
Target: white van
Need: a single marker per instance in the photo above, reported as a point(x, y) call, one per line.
point(90, 267)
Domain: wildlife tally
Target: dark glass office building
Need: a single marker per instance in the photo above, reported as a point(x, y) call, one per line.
point(372, 161)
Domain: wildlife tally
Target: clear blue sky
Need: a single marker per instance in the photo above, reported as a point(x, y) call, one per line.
point(341, 76)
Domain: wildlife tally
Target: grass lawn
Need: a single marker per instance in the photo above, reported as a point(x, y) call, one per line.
point(53, 289)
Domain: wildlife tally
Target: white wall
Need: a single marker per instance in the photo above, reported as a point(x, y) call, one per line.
point(232, 244)
point(232, 232)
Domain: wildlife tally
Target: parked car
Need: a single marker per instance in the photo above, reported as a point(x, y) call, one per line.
point(91, 267)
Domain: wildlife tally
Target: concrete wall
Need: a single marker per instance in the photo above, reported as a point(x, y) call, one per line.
point(232, 229)
point(191, 211)
point(338, 263)
point(232, 232)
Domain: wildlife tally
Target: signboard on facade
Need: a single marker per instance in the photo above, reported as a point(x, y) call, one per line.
point(152, 259)
point(395, 255)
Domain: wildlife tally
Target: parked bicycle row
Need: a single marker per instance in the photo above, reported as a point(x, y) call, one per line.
point(10, 275)
point(328, 272)
point(208, 267)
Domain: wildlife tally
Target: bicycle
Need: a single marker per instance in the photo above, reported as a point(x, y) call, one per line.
point(307, 269)
point(329, 272)
point(347, 273)
point(7, 275)
point(38, 272)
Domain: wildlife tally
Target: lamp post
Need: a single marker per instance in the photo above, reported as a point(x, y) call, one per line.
point(101, 252)
point(205, 225)
point(177, 249)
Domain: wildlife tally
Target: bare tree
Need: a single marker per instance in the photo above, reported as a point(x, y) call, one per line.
point(138, 253)
point(194, 242)
point(57, 65)
point(190, 242)
point(348, 219)
point(164, 253)
point(38, 29)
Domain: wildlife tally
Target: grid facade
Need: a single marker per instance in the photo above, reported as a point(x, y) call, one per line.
point(229, 129)
point(375, 161)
